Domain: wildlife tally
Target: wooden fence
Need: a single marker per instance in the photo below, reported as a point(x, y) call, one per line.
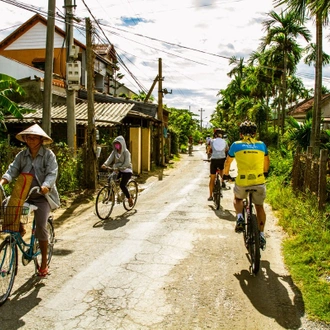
point(309, 174)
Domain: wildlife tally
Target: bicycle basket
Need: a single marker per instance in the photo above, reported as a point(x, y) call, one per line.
point(12, 216)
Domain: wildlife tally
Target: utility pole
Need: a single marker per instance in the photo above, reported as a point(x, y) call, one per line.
point(201, 127)
point(48, 81)
point(70, 92)
point(91, 134)
point(160, 114)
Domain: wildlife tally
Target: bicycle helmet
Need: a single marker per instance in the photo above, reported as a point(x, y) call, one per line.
point(248, 128)
point(218, 132)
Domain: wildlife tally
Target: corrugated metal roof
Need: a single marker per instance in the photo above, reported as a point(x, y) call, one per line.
point(106, 114)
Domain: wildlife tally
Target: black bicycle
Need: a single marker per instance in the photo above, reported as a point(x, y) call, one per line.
point(217, 190)
point(111, 194)
point(251, 232)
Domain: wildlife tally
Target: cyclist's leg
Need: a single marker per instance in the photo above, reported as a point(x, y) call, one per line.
point(258, 200)
point(213, 170)
point(41, 233)
point(124, 179)
point(239, 195)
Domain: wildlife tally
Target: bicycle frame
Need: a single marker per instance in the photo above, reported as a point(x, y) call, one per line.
point(251, 232)
point(217, 194)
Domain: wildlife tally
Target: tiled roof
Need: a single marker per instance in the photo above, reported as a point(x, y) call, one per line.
point(106, 114)
point(305, 106)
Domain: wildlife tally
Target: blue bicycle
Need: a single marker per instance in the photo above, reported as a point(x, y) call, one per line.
point(14, 241)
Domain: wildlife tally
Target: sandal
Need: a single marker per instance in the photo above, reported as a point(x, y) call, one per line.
point(130, 202)
point(43, 272)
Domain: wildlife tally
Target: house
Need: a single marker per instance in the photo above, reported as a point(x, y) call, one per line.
point(22, 56)
point(300, 110)
point(27, 45)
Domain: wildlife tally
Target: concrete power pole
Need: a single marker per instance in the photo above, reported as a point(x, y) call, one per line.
point(201, 125)
point(160, 114)
point(70, 92)
point(91, 134)
point(48, 81)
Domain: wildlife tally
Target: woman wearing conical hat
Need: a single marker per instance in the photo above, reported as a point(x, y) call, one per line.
point(41, 162)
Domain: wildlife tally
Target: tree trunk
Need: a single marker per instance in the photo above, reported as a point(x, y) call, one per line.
point(284, 92)
point(315, 136)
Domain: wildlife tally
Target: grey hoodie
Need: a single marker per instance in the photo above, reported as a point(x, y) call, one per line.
point(122, 161)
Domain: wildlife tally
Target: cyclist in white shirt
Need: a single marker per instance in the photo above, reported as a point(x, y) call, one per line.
point(218, 148)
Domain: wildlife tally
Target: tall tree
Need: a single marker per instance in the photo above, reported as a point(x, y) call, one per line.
point(282, 31)
point(320, 10)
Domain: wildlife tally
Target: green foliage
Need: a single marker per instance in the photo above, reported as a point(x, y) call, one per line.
point(9, 88)
point(307, 247)
point(281, 161)
point(69, 169)
point(299, 134)
point(183, 123)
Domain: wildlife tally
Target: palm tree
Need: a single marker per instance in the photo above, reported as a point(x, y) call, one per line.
point(310, 58)
point(320, 9)
point(9, 88)
point(282, 31)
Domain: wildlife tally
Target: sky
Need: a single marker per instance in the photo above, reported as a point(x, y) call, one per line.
point(193, 38)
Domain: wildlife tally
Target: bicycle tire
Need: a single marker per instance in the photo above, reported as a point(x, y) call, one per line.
point(217, 194)
point(105, 202)
point(8, 267)
point(51, 241)
point(254, 244)
point(133, 190)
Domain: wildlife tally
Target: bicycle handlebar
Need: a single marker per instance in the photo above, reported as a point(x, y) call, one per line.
point(33, 189)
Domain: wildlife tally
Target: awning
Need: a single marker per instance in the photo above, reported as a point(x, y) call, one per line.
point(106, 114)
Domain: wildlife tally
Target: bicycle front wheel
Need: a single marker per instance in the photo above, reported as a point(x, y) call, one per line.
point(217, 194)
point(50, 247)
point(105, 201)
point(8, 267)
point(133, 190)
point(254, 244)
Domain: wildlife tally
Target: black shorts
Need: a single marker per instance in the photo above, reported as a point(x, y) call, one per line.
point(217, 163)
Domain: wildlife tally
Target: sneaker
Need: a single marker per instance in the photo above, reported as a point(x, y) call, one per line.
point(223, 184)
point(210, 199)
point(239, 225)
point(262, 242)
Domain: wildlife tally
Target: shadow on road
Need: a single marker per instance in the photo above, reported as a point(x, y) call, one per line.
point(24, 299)
point(115, 222)
point(269, 294)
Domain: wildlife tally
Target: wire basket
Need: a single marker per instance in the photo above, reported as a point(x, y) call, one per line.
point(12, 216)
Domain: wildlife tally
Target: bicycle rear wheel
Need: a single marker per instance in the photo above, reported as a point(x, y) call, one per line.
point(217, 194)
point(133, 190)
point(105, 201)
point(254, 244)
point(51, 241)
point(8, 267)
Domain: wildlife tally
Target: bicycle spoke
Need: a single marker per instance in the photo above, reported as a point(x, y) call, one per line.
point(105, 201)
point(8, 266)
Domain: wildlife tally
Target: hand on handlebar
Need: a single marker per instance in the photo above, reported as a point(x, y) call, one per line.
point(227, 177)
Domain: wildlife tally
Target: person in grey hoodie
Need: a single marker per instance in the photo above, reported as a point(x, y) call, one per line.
point(120, 159)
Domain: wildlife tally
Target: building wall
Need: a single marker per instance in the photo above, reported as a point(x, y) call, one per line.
point(135, 148)
point(145, 149)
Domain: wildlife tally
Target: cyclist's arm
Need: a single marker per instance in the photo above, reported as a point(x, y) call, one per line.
point(266, 163)
point(227, 165)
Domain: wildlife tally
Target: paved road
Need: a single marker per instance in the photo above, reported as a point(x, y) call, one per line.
point(172, 263)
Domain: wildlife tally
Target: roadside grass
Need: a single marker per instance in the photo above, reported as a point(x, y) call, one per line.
point(306, 250)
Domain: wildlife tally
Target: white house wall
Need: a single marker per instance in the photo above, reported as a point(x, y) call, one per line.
point(18, 70)
point(35, 38)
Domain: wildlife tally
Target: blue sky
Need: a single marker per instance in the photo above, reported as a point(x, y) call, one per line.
point(194, 39)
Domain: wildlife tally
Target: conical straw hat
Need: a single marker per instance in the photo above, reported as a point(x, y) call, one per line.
point(34, 130)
